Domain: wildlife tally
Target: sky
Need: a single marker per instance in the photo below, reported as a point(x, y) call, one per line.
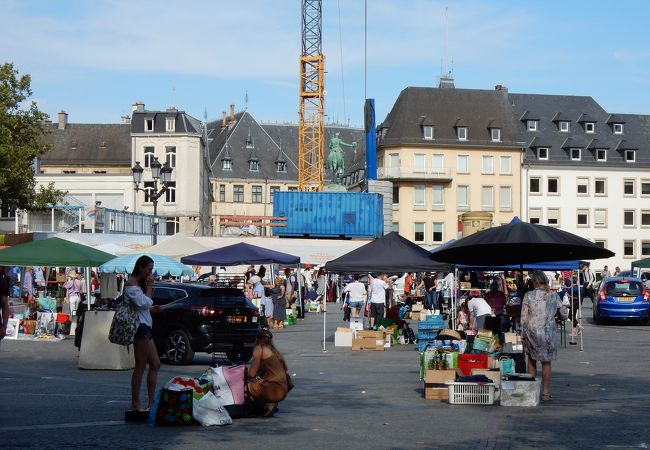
point(94, 59)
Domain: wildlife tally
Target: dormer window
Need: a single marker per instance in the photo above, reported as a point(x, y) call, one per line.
point(73, 145)
point(532, 125)
point(226, 164)
point(630, 156)
point(461, 132)
point(427, 132)
point(576, 154)
point(170, 124)
point(148, 124)
point(542, 153)
point(564, 126)
point(618, 128)
point(590, 127)
point(281, 166)
point(495, 134)
point(253, 166)
point(601, 154)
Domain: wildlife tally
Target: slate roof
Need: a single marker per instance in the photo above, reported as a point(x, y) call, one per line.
point(447, 109)
point(550, 109)
point(184, 123)
point(89, 145)
point(245, 138)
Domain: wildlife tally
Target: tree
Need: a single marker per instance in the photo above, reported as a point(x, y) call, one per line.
point(22, 130)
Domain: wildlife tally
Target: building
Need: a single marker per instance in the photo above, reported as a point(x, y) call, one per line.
point(449, 151)
point(586, 171)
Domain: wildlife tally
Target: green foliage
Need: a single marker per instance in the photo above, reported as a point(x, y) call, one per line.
point(22, 128)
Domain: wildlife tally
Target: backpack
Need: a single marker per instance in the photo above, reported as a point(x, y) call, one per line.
point(124, 325)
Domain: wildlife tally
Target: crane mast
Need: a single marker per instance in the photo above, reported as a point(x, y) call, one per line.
point(311, 138)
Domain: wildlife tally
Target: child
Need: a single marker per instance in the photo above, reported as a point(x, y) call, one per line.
point(461, 317)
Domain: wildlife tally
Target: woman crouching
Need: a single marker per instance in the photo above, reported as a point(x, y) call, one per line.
point(266, 379)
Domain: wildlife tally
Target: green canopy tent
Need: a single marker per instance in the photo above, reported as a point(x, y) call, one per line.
point(55, 252)
point(640, 264)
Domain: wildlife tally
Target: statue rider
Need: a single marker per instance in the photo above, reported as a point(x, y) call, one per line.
point(335, 158)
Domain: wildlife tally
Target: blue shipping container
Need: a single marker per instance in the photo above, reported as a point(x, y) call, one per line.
point(329, 214)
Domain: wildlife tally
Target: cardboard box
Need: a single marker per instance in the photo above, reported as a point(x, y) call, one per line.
point(343, 337)
point(512, 338)
point(356, 344)
point(415, 316)
point(433, 376)
point(368, 344)
point(417, 307)
point(465, 285)
point(356, 326)
point(436, 393)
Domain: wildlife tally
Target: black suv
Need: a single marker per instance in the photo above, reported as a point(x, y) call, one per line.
point(201, 318)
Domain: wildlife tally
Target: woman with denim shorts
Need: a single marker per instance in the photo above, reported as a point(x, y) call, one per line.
point(357, 295)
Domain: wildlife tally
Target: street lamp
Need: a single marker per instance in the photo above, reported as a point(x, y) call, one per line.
point(158, 172)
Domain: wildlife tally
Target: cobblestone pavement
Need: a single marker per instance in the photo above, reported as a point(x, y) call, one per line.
point(342, 399)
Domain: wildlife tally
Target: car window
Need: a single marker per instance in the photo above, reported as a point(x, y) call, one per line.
point(224, 297)
point(165, 295)
point(624, 287)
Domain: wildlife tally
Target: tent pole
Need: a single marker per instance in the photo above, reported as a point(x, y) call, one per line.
point(573, 312)
point(87, 287)
point(580, 317)
point(324, 310)
point(301, 312)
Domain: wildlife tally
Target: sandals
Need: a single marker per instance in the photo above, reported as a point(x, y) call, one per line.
point(547, 397)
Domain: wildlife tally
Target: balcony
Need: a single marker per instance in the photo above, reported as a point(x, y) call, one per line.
point(414, 174)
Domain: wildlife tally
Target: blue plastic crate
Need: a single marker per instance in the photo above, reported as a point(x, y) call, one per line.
point(424, 343)
point(432, 322)
point(427, 334)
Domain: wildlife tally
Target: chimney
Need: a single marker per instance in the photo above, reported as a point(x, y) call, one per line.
point(232, 112)
point(446, 82)
point(224, 119)
point(63, 120)
point(172, 109)
point(500, 87)
point(138, 107)
point(126, 119)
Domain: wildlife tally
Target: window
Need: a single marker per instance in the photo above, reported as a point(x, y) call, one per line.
point(418, 195)
point(149, 155)
point(645, 188)
point(170, 193)
point(553, 186)
point(222, 192)
point(487, 164)
point(438, 232)
point(535, 185)
point(583, 186)
point(257, 194)
point(148, 191)
point(553, 217)
point(505, 198)
point(170, 124)
point(438, 163)
point(532, 125)
point(461, 133)
point(419, 162)
point(173, 226)
point(170, 156)
point(602, 243)
point(600, 218)
point(535, 215)
point(148, 124)
point(645, 218)
point(645, 248)
point(496, 134)
point(583, 218)
point(395, 195)
point(438, 196)
point(428, 132)
point(505, 165)
point(576, 154)
point(69, 171)
point(630, 155)
point(253, 166)
point(600, 187)
point(396, 227)
point(226, 164)
point(618, 128)
point(462, 197)
point(628, 217)
point(487, 198)
point(281, 166)
point(274, 189)
point(462, 164)
point(590, 127)
point(542, 153)
point(293, 189)
point(601, 155)
point(628, 187)
point(564, 126)
point(238, 194)
point(418, 232)
point(628, 249)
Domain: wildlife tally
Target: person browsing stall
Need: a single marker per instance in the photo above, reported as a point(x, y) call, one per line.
point(358, 295)
point(496, 298)
point(429, 285)
point(377, 295)
point(5, 290)
point(479, 310)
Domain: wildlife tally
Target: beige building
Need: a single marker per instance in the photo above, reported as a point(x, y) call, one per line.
point(449, 151)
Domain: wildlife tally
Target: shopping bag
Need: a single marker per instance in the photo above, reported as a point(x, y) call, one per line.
point(209, 411)
point(228, 384)
point(172, 407)
point(124, 324)
point(188, 383)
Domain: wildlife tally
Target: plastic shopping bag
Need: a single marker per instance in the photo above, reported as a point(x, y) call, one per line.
point(209, 411)
point(228, 384)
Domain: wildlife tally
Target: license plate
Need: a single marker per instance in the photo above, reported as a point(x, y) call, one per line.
point(236, 319)
point(625, 299)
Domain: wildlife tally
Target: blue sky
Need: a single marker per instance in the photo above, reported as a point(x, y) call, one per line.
point(95, 58)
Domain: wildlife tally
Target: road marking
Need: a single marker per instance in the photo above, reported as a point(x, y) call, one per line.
point(62, 425)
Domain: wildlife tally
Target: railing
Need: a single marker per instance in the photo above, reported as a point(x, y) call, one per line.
point(413, 173)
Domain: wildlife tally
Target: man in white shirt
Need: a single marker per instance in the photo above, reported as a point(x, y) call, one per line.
point(479, 309)
point(357, 295)
point(377, 294)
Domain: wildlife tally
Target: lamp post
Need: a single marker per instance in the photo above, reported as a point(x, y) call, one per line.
point(158, 172)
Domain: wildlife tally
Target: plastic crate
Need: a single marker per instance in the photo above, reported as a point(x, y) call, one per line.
point(467, 362)
point(428, 334)
point(470, 393)
point(432, 322)
point(424, 343)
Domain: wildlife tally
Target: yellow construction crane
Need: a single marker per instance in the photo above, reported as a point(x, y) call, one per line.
point(311, 137)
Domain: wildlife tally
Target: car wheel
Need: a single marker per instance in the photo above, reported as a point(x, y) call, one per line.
point(598, 319)
point(178, 348)
point(239, 356)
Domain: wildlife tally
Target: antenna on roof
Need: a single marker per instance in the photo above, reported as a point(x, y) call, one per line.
point(446, 77)
point(446, 38)
point(246, 101)
point(173, 97)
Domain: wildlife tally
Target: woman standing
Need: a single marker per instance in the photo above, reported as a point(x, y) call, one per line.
point(279, 303)
point(73, 291)
point(539, 333)
point(321, 288)
point(266, 379)
point(138, 291)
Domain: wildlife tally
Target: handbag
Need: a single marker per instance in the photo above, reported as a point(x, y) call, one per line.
point(124, 324)
point(290, 384)
point(172, 407)
point(228, 384)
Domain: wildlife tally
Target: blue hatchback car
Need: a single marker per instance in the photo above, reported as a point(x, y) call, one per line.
point(622, 298)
